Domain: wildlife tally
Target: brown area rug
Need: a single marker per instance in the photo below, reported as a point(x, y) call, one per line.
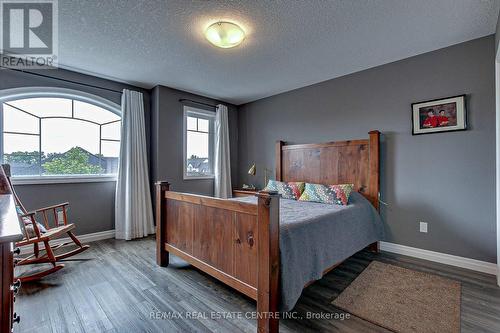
point(403, 300)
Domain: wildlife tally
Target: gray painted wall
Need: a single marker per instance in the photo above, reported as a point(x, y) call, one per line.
point(497, 35)
point(446, 179)
point(91, 204)
point(167, 140)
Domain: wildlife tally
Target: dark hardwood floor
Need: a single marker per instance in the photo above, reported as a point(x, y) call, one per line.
point(117, 287)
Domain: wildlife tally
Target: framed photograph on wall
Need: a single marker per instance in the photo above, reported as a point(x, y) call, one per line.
point(439, 115)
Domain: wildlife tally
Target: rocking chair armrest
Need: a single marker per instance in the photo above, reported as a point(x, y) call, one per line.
point(28, 214)
point(62, 205)
point(29, 219)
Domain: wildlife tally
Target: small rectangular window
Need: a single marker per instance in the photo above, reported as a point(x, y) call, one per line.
point(198, 143)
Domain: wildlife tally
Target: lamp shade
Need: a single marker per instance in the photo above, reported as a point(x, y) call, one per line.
point(252, 170)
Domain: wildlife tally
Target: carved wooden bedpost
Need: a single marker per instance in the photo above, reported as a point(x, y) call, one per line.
point(268, 262)
point(374, 177)
point(374, 172)
point(161, 253)
point(279, 147)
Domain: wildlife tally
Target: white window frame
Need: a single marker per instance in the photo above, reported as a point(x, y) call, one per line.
point(206, 114)
point(7, 95)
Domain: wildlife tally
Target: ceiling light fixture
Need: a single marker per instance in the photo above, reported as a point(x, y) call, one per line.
point(225, 34)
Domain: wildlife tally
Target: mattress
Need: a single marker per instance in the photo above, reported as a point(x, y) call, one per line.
point(315, 236)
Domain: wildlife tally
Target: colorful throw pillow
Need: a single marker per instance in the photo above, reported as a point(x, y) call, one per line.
point(28, 225)
point(330, 194)
point(20, 212)
point(288, 190)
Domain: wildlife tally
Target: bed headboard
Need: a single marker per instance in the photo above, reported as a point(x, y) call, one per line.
point(342, 162)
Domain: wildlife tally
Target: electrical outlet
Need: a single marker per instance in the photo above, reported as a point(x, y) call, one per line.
point(423, 227)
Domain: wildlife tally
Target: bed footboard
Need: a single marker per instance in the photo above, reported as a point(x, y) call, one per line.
point(235, 242)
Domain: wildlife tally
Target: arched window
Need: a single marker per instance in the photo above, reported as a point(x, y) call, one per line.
point(59, 133)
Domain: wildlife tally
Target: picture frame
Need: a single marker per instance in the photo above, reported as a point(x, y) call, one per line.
point(439, 115)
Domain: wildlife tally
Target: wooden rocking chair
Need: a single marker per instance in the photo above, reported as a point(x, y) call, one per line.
point(35, 233)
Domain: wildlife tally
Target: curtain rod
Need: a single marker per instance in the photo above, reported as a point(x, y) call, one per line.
point(201, 103)
point(60, 79)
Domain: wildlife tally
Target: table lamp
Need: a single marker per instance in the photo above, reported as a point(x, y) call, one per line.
point(252, 171)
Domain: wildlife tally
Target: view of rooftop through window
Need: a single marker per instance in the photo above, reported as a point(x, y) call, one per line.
point(199, 143)
point(59, 136)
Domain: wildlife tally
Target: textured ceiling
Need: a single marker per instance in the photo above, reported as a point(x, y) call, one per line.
point(289, 44)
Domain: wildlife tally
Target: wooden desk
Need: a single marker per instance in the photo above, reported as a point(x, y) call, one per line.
point(10, 233)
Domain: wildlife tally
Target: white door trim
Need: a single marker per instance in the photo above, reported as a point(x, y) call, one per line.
point(497, 98)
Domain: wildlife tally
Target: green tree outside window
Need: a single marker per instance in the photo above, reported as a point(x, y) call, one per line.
point(74, 161)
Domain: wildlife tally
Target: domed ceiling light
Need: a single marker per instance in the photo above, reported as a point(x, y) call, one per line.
point(225, 34)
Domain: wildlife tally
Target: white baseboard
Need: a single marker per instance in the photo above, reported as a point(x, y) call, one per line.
point(95, 236)
point(443, 258)
point(86, 238)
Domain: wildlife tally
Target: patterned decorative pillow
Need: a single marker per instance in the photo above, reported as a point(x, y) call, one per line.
point(288, 190)
point(330, 194)
point(28, 225)
point(20, 212)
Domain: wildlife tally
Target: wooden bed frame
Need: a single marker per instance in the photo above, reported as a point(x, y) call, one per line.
point(238, 242)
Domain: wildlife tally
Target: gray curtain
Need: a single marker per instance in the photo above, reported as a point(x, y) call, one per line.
point(222, 168)
point(133, 209)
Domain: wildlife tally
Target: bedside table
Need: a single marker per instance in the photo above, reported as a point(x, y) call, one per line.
point(244, 193)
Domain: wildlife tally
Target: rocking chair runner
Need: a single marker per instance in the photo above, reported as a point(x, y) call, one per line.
point(35, 233)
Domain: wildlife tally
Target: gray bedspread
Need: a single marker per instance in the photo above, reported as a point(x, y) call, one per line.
point(315, 236)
